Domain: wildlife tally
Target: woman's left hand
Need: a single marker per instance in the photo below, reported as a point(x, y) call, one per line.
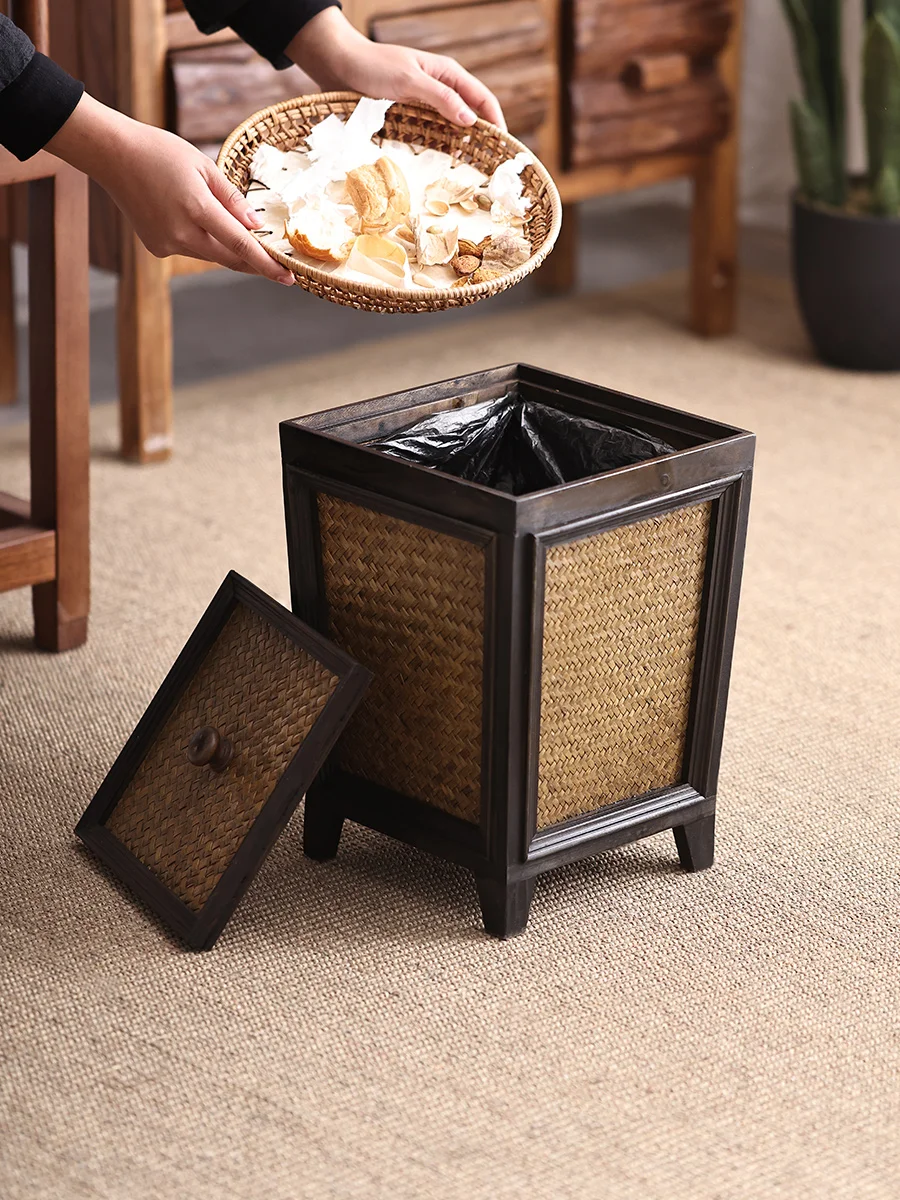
point(337, 56)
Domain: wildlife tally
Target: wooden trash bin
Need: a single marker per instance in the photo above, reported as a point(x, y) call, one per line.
point(550, 670)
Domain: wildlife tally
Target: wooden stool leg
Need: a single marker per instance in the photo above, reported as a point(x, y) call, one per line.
point(145, 353)
point(322, 827)
point(715, 221)
point(8, 373)
point(559, 273)
point(59, 401)
point(505, 906)
point(696, 843)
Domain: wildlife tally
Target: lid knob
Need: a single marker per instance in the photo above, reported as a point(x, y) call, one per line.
point(208, 747)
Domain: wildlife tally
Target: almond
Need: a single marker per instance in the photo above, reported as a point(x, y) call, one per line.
point(465, 264)
point(467, 247)
point(485, 274)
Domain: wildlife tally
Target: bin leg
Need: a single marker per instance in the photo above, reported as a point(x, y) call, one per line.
point(696, 843)
point(322, 828)
point(504, 906)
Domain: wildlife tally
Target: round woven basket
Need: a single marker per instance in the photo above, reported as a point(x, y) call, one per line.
point(285, 126)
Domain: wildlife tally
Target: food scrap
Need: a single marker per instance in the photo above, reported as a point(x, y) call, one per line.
point(405, 215)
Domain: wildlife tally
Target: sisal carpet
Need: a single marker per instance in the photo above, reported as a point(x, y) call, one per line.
point(354, 1034)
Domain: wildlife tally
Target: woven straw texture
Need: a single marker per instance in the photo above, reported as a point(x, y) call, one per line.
point(285, 125)
point(262, 691)
point(409, 604)
point(732, 1035)
point(620, 631)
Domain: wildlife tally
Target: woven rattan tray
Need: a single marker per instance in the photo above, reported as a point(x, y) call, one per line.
point(285, 125)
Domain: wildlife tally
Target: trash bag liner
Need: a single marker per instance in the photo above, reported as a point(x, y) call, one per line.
point(519, 446)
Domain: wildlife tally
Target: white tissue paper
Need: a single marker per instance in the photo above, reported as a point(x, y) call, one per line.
point(505, 187)
point(336, 147)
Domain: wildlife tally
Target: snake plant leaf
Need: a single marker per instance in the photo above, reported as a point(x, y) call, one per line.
point(807, 52)
point(812, 150)
point(815, 26)
point(886, 193)
point(889, 9)
point(826, 19)
point(881, 96)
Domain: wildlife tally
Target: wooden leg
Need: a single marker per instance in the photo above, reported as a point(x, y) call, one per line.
point(715, 223)
point(59, 401)
point(505, 907)
point(322, 828)
point(559, 273)
point(145, 353)
point(696, 843)
point(8, 373)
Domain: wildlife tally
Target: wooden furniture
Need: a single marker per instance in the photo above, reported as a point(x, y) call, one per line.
point(612, 94)
point(45, 544)
point(550, 670)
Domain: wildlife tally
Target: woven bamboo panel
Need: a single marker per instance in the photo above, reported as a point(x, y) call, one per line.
point(262, 691)
point(409, 604)
point(620, 630)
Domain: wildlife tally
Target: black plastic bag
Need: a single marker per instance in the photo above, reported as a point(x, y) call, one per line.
point(519, 446)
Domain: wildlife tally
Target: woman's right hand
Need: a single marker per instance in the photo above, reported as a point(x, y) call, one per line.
point(176, 198)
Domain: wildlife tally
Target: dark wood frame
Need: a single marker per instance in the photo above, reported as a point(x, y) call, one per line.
point(712, 464)
point(201, 929)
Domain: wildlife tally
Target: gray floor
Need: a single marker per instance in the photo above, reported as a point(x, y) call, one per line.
point(226, 323)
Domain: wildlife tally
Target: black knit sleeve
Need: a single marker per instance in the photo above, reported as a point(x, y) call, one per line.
point(266, 25)
point(36, 96)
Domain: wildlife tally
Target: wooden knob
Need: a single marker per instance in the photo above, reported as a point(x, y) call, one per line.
point(208, 748)
point(656, 72)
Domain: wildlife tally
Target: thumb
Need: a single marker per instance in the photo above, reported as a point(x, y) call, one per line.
point(448, 102)
point(232, 198)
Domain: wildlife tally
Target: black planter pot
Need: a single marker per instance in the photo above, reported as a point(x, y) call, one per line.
point(847, 277)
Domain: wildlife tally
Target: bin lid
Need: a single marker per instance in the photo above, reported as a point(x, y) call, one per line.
point(230, 743)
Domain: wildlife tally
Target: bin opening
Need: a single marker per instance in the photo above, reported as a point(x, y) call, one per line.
point(519, 446)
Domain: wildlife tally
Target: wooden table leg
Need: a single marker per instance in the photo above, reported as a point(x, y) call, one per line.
point(145, 353)
point(715, 222)
point(59, 401)
point(145, 307)
point(8, 373)
point(559, 274)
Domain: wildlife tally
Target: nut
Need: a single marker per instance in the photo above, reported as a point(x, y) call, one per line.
point(462, 282)
point(466, 247)
point(465, 264)
point(485, 274)
point(484, 201)
point(423, 280)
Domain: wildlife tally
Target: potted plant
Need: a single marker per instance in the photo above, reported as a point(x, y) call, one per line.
point(846, 230)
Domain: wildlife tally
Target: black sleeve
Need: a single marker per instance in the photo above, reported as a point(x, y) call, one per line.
point(36, 96)
point(266, 25)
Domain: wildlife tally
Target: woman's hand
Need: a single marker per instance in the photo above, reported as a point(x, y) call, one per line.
point(337, 56)
point(176, 198)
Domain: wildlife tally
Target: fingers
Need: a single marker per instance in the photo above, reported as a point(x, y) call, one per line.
point(430, 90)
point(235, 243)
point(236, 203)
point(476, 98)
point(207, 248)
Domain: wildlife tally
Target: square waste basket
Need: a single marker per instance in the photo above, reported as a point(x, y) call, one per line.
point(550, 670)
